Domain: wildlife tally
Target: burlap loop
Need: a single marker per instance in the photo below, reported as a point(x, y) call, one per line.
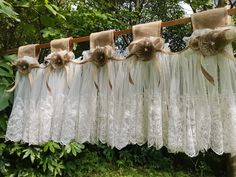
point(102, 39)
point(146, 30)
point(61, 54)
point(101, 48)
point(101, 52)
point(61, 44)
point(147, 41)
point(27, 60)
point(28, 50)
point(210, 19)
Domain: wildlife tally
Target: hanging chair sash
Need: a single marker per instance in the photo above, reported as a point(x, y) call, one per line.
point(60, 56)
point(101, 53)
point(146, 42)
point(212, 19)
point(215, 40)
point(26, 61)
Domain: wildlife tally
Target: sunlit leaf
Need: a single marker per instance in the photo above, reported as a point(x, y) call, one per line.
point(6, 9)
point(4, 98)
point(50, 8)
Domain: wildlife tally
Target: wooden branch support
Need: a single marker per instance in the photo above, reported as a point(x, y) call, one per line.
point(117, 33)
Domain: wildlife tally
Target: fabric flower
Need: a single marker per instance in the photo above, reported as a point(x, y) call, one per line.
point(100, 56)
point(145, 48)
point(210, 43)
point(58, 60)
point(24, 66)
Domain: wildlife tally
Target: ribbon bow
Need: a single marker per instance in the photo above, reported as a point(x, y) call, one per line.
point(100, 57)
point(58, 61)
point(145, 49)
point(24, 67)
point(209, 44)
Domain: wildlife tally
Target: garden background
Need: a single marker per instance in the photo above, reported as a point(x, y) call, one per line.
point(39, 21)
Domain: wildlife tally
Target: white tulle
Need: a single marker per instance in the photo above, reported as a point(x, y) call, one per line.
point(71, 107)
point(23, 124)
point(202, 115)
point(141, 106)
point(89, 110)
point(51, 104)
point(170, 103)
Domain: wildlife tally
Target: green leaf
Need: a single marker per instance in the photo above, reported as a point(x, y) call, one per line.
point(6, 9)
point(50, 8)
point(51, 33)
point(52, 149)
point(45, 165)
point(4, 98)
point(32, 157)
point(50, 167)
point(2, 146)
point(55, 7)
point(46, 146)
point(62, 16)
point(68, 148)
point(56, 146)
point(27, 29)
point(9, 58)
point(47, 21)
point(27, 153)
point(6, 66)
point(5, 73)
point(3, 123)
point(74, 152)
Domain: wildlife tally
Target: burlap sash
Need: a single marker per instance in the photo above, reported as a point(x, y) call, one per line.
point(210, 19)
point(102, 39)
point(146, 30)
point(61, 44)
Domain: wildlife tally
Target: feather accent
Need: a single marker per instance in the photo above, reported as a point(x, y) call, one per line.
point(129, 70)
point(108, 74)
point(205, 73)
point(94, 75)
point(130, 79)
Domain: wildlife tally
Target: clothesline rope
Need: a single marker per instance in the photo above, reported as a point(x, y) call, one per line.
point(116, 33)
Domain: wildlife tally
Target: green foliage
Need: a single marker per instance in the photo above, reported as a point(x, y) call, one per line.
point(6, 9)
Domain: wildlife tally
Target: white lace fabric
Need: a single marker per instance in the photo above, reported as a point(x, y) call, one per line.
point(202, 115)
point(23, 121)
point(184, 101)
